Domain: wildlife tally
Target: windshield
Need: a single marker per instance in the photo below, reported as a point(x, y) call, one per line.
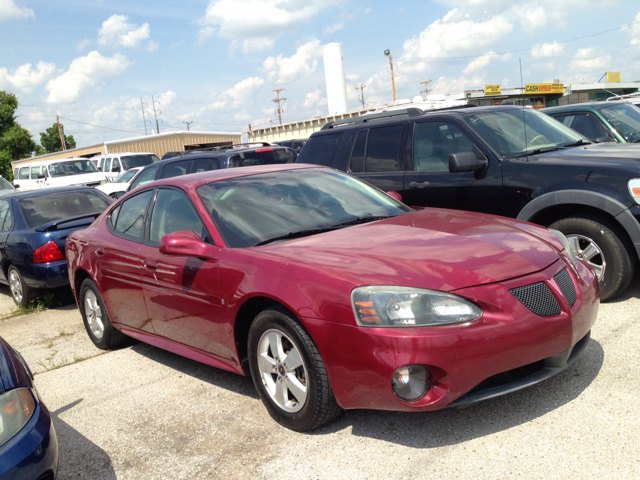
point(516, 132)
point(131, 161)
point(252, 209)
point(126, 176)
point(72, 167)
point(41, 209)
point(4, 185)
point(625, 118)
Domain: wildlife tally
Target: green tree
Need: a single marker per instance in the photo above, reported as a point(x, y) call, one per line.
point(15, 141)
point(50, 139)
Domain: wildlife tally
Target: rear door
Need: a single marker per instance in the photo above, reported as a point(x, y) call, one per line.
point(428, 181)
point(6, 225)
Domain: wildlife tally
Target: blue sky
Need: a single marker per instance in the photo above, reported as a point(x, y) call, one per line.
point(215, 63)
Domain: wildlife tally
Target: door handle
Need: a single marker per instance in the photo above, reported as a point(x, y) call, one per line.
point(99, 251)
point(424, 184)
point(149, 264)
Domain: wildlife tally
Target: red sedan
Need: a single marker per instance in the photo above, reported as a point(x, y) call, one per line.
point(331, 294)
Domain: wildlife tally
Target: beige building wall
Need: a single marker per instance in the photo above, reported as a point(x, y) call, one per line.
point(74, 152)
point(304, 129)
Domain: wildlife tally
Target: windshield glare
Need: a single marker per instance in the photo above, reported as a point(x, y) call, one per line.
point(252, 209)
point(625, 118)
point(72, 167)
point(519, 131)
point(132, 161)
point(126, 176)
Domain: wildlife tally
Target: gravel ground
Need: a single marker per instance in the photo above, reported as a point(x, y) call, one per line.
point(143, 413)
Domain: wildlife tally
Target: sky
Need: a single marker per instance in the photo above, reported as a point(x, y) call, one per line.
point(216, 63)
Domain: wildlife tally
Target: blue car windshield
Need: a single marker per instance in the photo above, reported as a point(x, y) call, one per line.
point(49, 207)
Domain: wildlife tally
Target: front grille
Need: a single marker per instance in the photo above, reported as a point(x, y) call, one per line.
point(563, 279)
point(538, 298)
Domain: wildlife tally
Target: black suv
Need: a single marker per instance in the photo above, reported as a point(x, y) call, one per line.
point(508, 161)
point(196, 161)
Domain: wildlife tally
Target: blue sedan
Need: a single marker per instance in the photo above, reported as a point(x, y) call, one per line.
point(28, 442)
point(34, 226)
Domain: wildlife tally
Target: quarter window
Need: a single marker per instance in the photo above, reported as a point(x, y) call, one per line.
point(128, 218)
point(174, 212)
point(6, 219)
point(433, 142)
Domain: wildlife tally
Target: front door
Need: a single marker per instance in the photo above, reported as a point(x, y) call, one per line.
point(181, 291)
point(428, 181)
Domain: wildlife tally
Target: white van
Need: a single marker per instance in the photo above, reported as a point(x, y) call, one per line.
point(114, 164)
point(57, 173)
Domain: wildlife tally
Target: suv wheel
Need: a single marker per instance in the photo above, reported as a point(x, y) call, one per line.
point(599, 243)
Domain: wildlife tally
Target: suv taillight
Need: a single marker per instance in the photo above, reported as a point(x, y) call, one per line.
point(47, 253)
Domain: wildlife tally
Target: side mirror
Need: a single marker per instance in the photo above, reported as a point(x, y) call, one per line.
point(40, 175)
point(395, 195)
point(16, 185)
point(605, 139)
point(115, 169)
point(99, 169)
point(118, 194)
point(466, 162)
point(186, 243)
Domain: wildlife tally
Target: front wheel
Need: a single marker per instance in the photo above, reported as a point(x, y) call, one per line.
point(288, 372)
point(600, 244)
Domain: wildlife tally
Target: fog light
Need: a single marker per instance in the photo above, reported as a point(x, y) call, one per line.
point(410, 383)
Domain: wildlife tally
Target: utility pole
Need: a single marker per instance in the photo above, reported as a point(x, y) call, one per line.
point(144, 120)
point(361, 95)
point(60, 132)
point(153, 102)
point(188, 123)
point(393, 83)
point(277, 100)
point(426, 88)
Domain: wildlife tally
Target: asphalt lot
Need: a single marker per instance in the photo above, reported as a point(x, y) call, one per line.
point(143, 413)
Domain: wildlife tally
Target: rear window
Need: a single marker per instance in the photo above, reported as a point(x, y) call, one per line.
point(320, 150)
point(131, 161)
point(46, 208)
point(262, 156)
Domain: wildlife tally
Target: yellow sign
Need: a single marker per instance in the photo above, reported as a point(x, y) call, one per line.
point(613, 77)
point(543, 88)
point(491, 90)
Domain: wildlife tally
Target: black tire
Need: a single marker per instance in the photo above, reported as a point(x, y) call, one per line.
point(610, 239)
point(21, 293)
point(320, 406)
point(111, 337)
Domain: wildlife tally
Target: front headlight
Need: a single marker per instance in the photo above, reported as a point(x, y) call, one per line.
point(16, 409)
point(634, 189)
point(567, 246)
point(382, 306)
point(103, 182)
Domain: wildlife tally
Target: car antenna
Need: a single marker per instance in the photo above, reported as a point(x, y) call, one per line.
point(524, 120)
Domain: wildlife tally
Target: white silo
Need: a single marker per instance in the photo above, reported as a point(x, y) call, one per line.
point(334, 76)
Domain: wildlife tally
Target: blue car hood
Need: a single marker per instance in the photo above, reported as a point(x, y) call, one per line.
point(14, 371)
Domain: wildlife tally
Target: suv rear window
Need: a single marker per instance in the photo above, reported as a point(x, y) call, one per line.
point(320, 150)
point(131, 161)
point(46, 208)
point(262, 156)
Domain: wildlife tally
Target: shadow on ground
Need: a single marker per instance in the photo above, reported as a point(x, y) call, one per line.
point(632, 292)
point(79, 457)
point(428, 429)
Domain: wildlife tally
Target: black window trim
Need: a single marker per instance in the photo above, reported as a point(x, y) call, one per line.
point(115, 232)
point(355, 135)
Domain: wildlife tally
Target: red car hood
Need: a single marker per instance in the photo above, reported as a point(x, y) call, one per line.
point(433, 248)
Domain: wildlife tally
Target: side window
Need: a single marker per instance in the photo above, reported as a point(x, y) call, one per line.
point(320, 150)
point(205, 164)
point(45, 171)
point(588, 125)
point(107, 165)
point(24, 173)
point(433, 142)
point(128, 218)
point(564, 119)
point(147, 175)
point(6, 219)
point(15, 173)
point(116, 165)
point(174, 212)
point(35, 172)
point(383, 149)
point(176, 169)
point(357, 155)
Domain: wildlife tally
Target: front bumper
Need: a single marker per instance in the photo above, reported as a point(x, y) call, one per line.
point(33, 452)
point(360, 361)
point(46, 275)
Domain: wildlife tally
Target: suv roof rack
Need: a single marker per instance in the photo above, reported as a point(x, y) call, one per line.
point(250, 144)
point(221, 148)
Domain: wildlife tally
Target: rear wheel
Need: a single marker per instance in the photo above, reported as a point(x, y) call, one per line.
point(602, 245)
point(96, 319)
point(22, 294)
point(288, 372)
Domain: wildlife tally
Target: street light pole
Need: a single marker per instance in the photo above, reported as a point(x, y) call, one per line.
point(393, 84)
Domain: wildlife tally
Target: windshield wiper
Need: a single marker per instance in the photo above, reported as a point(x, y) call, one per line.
point(358, 220)
point(538, 151)
point(578, 143)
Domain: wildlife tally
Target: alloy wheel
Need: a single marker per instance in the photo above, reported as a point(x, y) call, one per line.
point(282, 371)
point(589, 251)
point(93, 313)
point(15, 284)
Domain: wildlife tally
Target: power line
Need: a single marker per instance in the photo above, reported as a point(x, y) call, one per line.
point(361, 94)
point(277, 100)
point(100, 126)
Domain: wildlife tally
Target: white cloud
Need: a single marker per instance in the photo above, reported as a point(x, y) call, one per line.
point(480, 62)
point(588, 60)
point(253, 25)
point(90, 71)
point(333, 28)
point(25, 78)
point(634, 31)
point(116, 32)
point(547, 50)
point(302, 63)
point(312, 98)
point(450, 84)
point(9, 10)
point(82, 44)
